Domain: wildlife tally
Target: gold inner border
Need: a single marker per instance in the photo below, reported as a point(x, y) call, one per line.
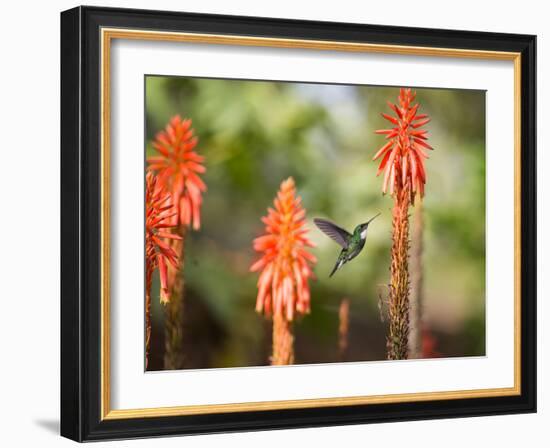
point(107, 35)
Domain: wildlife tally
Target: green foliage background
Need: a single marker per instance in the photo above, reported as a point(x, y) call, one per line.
point(254, 134)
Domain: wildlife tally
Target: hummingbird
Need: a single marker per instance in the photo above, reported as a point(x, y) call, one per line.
point(352, 243)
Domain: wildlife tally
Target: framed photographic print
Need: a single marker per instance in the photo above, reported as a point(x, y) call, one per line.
point(274, 224)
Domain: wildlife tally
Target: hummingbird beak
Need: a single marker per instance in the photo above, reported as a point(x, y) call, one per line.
point(372, 219)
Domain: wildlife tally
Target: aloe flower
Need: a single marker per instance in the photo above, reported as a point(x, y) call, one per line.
point(178, 167)
point(158, 253)
point(404, 153)
point(285, 268)
point(158, 211)
point(402, 163)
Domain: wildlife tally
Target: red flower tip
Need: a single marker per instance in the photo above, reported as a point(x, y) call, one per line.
point(178, 167)
point(429, 344)
point(285, 264)
point(404, 153)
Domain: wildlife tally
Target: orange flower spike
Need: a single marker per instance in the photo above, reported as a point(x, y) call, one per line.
point(404, 153)
point(178, 167)
point(285, 264)
point(158, 213)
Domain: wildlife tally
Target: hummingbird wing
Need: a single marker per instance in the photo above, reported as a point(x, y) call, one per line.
point(335, 232)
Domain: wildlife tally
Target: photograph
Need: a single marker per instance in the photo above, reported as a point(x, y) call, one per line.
point(292, 223)
point(272, 223)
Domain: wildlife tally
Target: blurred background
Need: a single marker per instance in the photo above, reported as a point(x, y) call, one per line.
point(254, 134)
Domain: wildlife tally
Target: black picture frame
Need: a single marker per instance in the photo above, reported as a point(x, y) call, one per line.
point(81, 224)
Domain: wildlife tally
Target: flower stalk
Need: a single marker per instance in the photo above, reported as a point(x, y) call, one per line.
point(402, 162)
point(174, 310)
point(343, 329)
point(283, 341)
point(417, 281)
point(398, 309)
